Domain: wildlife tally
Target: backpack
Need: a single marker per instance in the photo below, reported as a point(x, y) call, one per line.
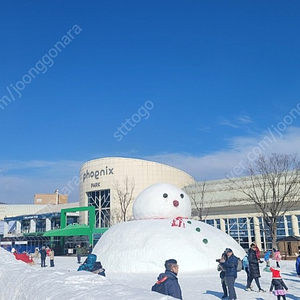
point(239, 267)
point(159, 286)
point(245, 262)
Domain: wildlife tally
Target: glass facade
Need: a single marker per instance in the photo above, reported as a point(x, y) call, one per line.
point(210, 222)
point(251, 228)
point(101, 201)
point(280, 228)
point(243, 229)
point(214, 222)
point(239, 229)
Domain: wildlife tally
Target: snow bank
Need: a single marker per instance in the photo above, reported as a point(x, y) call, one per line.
point(21, 281)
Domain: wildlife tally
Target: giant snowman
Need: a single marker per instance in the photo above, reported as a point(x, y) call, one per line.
point(162, 229)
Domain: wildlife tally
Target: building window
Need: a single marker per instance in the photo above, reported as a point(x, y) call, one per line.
point(233, 228)
point(243, 232)
point(280, 228)
point(238, 229)
point(40, 225)
point(210, 222)
point(55, 223)
point(214, 222)
point(25, 226)
point(101, 201)
point(251, 227)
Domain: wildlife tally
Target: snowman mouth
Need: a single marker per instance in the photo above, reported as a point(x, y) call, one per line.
point(175, 203)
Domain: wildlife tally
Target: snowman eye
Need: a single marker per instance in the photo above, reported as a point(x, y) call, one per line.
point(165, 195)
point(182, 196)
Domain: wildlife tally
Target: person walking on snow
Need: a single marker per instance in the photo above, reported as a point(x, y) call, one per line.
point(267, 261)
point(278, 284)
point(254, 272)
point(267, 258)
point(277, 257)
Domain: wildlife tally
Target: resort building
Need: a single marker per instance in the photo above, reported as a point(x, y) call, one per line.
point(104, 181)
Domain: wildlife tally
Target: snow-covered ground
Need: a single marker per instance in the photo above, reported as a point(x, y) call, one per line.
point(133, 254)
point(21, 281)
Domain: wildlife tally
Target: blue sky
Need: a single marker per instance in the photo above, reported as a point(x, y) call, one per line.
point(200, 85)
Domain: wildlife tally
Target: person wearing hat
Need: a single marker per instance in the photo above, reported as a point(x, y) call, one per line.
point(169, 280)
point(230, 267)
point(254, 272)
point(278, 284)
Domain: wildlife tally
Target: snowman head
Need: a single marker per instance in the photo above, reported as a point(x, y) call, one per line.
point(161, 201)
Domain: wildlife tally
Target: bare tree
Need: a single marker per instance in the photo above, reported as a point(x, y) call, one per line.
point(124, 197)
point(273, 185)
point(201, 204)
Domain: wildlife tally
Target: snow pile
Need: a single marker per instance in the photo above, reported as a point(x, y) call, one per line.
point(21, 281)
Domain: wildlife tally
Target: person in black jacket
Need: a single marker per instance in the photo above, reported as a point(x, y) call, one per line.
point(254, 272)
point(43, 256)
point(169, 280)
point(230, 266)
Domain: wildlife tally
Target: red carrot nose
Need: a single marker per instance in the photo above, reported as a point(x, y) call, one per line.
point(175, 203)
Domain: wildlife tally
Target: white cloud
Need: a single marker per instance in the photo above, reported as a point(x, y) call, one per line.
point(244, 119)
point(228, 123)
point(221, 163)
point(240, 121)
point(19, 181)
